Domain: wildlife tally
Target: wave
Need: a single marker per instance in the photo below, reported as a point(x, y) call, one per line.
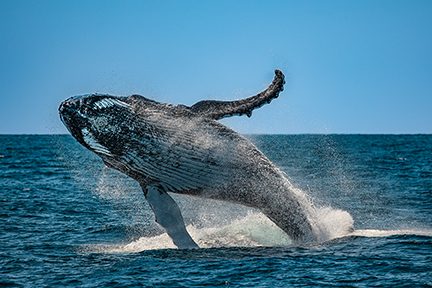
point(253, 230)
point(375, 233)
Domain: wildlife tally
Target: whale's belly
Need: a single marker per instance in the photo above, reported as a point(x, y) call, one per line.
point(203, 158)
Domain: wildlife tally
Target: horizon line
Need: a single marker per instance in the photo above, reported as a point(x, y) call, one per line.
point(251, 134)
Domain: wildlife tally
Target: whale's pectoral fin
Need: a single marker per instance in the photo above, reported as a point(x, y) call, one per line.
point(221, 109)
point(168, 215)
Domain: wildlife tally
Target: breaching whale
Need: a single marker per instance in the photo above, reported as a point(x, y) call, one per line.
point(183, 149)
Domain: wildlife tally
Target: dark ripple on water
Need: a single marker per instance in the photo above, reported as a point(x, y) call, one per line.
point(52, 206)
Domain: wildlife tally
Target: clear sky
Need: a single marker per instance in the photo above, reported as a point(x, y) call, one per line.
point(350, 66)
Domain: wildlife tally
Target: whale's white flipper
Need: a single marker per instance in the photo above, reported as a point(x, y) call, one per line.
point(168, 215)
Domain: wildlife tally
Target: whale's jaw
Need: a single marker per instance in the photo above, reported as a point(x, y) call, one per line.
point(92, 120)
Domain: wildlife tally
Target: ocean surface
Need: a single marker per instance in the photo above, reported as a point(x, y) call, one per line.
point(68, 221)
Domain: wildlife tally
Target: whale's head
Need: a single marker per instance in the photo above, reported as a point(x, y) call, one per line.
point(97, 121)
point(134, 133)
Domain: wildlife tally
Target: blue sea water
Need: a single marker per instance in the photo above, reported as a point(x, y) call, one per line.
point(66, 220)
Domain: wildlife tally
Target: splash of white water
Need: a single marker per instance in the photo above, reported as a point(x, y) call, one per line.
point(253, 230)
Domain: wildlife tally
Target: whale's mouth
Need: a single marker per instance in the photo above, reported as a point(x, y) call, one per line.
point(73, 119)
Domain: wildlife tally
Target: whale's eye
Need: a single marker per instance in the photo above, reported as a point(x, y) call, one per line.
point(86, 110)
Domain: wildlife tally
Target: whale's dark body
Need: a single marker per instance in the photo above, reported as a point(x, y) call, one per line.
point(180, 149)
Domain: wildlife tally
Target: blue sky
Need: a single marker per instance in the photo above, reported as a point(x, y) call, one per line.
point(350, 66)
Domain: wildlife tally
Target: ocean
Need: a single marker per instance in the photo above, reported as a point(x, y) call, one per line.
point(69, 221)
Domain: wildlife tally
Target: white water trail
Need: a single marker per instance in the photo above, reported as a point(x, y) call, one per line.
point(253, 230)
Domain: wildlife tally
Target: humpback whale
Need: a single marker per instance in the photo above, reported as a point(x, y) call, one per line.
point(184, 149)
